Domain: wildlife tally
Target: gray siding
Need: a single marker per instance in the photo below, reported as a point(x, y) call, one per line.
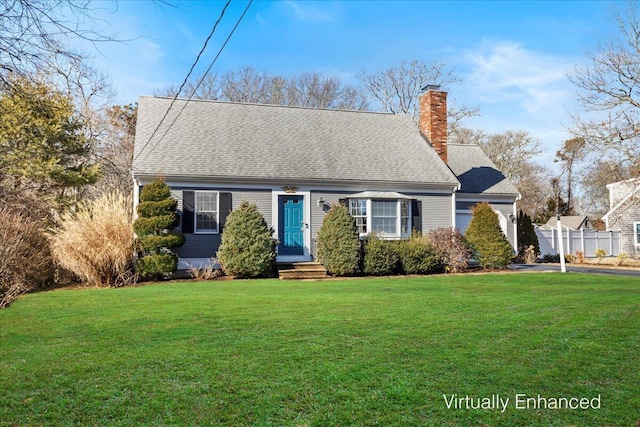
point(622, 219)
point(206, 245)
point(436, 211)
point(318, 212)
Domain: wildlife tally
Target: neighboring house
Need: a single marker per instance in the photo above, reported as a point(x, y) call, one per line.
point(569, 222)
point(624, 214)
point(293, 163)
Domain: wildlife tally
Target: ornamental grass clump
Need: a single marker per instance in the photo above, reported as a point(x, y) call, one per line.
point(157, 217)
point(248, 249)
point(96, 242)
point(338, 243)
point(489, 245)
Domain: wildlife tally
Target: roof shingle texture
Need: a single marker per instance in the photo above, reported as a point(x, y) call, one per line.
point(223, 139)
point(476, 172)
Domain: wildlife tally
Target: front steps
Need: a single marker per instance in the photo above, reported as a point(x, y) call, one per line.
point(301, 270)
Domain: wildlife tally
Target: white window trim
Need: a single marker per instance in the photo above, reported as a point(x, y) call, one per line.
point(389, 236)
point(195, 213)
point(636, 235)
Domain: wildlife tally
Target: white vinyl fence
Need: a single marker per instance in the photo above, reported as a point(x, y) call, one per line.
point(585, 241)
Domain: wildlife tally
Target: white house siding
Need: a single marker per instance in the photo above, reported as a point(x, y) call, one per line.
point(464, 214)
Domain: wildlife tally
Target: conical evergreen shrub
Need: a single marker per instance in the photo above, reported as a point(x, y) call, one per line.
point(527, 233)
point(338, 243)
point(248, 248)
point(489, 245)
point(157, 217)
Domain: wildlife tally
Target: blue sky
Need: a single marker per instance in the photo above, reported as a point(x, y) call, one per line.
point(512, 56)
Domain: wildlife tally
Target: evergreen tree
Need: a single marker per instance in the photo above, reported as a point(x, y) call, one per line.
point(338, 247)
point(248, 248)
point(527, 233)
point(157, 218)
point(43, 150)
point(490, 247)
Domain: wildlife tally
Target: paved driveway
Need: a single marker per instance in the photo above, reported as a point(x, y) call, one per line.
point(614, 271)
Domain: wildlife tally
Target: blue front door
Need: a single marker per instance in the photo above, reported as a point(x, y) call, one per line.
point(291, 225)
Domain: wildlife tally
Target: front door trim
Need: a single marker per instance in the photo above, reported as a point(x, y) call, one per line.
point(275, 209)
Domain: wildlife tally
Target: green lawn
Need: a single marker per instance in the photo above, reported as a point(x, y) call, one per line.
point(332, 353)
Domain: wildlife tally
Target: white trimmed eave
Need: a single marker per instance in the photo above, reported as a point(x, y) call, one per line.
point(405, 186)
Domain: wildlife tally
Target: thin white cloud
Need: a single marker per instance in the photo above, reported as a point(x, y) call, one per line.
point(506, 71)
point(308, 12)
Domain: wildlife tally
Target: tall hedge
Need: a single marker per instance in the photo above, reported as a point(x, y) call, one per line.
point(489, 245)
point(157, 217)
point(248, 248)
point(338, 243)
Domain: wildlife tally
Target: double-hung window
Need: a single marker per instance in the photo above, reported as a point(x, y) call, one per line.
point(206, 212)
point(387, 218)
point(358, 210)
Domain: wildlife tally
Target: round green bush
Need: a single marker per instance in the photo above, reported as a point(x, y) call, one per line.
point(248, 248)
point(157, 265)
point(381, 257)
point(417, 256)
point(338, 243)
point(489, 245)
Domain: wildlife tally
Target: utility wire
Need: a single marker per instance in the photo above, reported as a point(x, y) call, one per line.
point(213, 30)
point(199, 82)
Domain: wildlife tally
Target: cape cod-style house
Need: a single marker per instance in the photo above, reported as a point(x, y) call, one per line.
point(294, 162)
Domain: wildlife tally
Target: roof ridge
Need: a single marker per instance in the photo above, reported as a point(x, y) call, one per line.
point(255, 104)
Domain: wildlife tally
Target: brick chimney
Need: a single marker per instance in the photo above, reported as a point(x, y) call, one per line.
point(433, 118)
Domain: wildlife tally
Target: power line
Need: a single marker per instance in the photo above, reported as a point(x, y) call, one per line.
point(198, 85)
point(184, 82)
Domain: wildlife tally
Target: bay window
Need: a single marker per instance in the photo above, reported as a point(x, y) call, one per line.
point(387, 218)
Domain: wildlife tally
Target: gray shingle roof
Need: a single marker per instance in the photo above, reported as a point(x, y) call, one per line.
point(476, 172)
point(223, 139)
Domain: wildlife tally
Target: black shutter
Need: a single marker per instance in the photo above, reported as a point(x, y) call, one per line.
point(225, 208)
point(344, 202)
point(416, 215)
point(188, 208)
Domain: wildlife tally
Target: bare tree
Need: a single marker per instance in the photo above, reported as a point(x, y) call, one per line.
point(511, 151)
point(311, 89)
point(398, 88)
point(34, 33)
point(595, 196)
point(607, 88)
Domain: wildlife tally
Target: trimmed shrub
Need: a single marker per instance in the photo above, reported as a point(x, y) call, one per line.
point(451, 248)
point(157, 216)
point(417, 256)
point(248, 248)
point(96, 243)
point(381, 257)
point(489, 245)
point(338, 244)
point(26, 263)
